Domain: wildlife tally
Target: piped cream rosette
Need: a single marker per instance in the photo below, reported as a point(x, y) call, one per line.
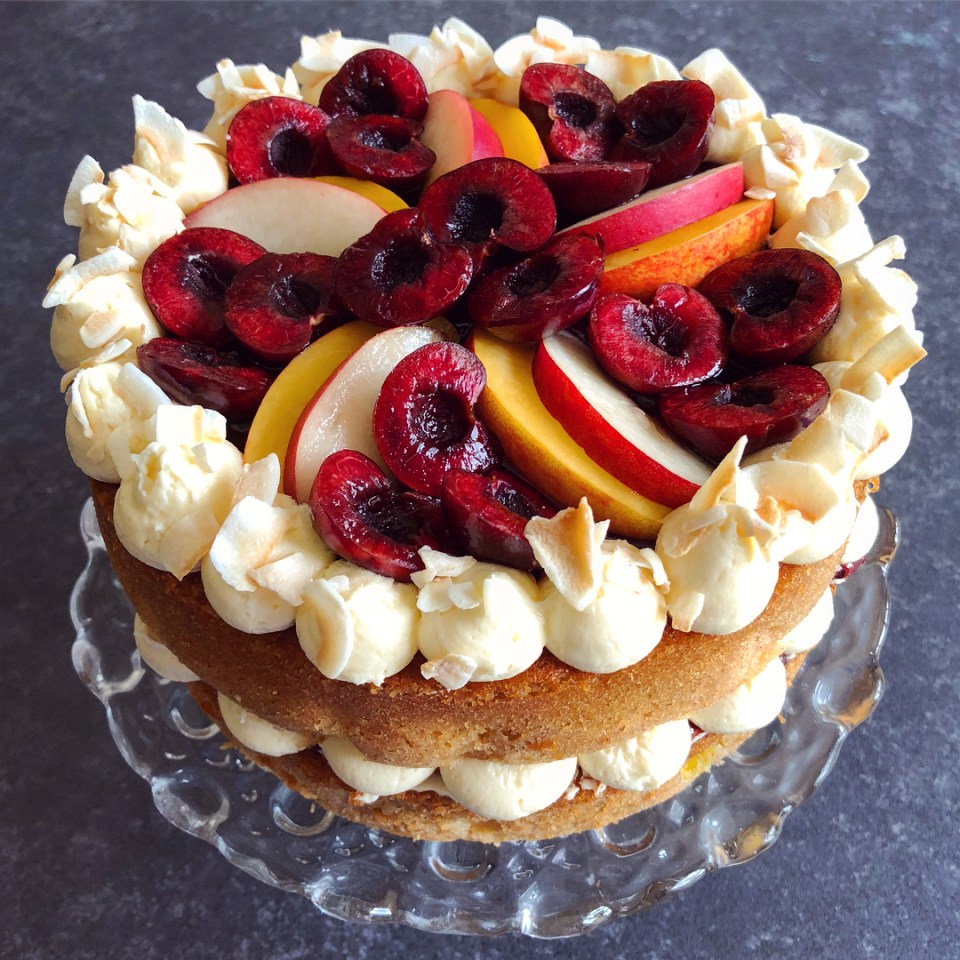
point(602, 601)
point(132, 210)
point(100, 313)
point(186, 162)
point(264, 555)
point(176, 492)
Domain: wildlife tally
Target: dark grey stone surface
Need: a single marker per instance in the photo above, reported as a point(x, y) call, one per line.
point(867, 868)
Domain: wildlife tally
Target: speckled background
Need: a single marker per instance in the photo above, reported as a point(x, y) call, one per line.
point(867, 868)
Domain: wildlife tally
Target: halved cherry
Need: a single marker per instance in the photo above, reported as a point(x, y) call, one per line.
point(279, 302)
point(581, 190)
point(668, 124)
point(400, 273)
point(376, 81)
point(543, 294)
point(278, 137)
point(190, 373)
point(780, 302)
point(490, 203)
point(487, 514)
point(185, 281)
point(572, 110)
point(424, 422)
point(382, 149)
point(676, 340)
point(767, 407)
point(366, 518)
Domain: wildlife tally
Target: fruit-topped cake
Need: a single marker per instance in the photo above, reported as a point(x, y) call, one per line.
point(481, 433)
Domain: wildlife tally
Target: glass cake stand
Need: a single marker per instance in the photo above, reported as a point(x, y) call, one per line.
point(552, 888)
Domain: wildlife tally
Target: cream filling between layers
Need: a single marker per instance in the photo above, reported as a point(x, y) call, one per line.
point(812, 628)
point(751, 706)
point(160, 659)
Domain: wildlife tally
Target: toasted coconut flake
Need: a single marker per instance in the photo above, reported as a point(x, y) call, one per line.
point(568, 547)
point(330, 645)
point(452, 671)
point(889, 357)
point(260, 480)
point(437, 564)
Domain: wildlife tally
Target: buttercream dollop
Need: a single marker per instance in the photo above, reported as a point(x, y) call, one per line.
point(108, 406)
point(369, 776)
point(100, 313)
point(175, 494)
point(753, 704)
point(132, 210)
point(159, 658)
point(488, 616)
point(186, 161)
point(258, 734)
point(507, 791)
point(642, 762)
point(357, 626)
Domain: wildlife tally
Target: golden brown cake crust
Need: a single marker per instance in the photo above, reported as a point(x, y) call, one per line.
point(549, 711)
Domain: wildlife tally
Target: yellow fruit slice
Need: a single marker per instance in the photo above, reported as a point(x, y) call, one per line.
point(517, 134)
point(543, 452)
point(293, 389)
point(688, 254)
point(381, 196)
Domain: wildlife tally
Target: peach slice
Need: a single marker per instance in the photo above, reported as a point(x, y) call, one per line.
point(611, 428)
point(296, 385)
point(288, 215)
point(539, 448)
point(667, 208)
point(381, 196)
point(517, 134)
point(340, 415)
point(687, 255)
point(456, 133)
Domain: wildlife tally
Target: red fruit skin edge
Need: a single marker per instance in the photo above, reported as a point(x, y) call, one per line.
point(601, 442)
point(486, 143)
point(288, 473)
point(664, 209)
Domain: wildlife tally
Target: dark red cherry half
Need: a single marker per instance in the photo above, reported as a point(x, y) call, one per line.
point(278, 137)
point(382, 149)
point(424, 422)
point(573, 111)
point(191, 373)
point(278, 303)
point(668, 124)
point(185, 281)
point(767, 407)
point(368, 519)
point(400, 273)
point(543, 294)
point(779, 303)
point(676, 340)
point(490, 203)
point(376, 81)
point(487, 513)
point(581, 190)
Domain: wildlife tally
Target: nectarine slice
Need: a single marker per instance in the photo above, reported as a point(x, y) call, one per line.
point(615, 433)
point(518, 137)
point(543, 452)
point(381, 196)
point(688, 254)
point(293, 389)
